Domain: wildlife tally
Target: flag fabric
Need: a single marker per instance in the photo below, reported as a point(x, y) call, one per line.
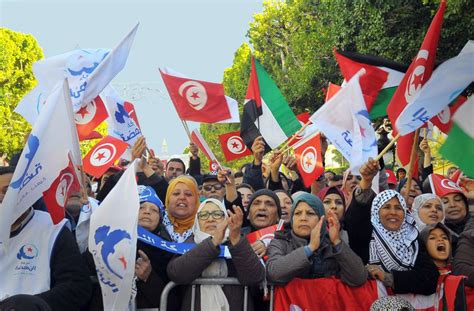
point(233, 146)
point(370, 83)
point(416, 76)
point(113, 241)
point(346, 123)
point(197, 138)
point(120, 124)
point(332, 90)
point(213, 166)
point(57, 195)
point(445, 85)
point(265, 235)
point(88, 117)
point(93, 135)
point(45, 155)
point(89, 73)
point(303, 118)
point(196, 100)
point(103, 155)
point(266, 112)
point(308, 158)
point(459, 146)
point(395, 72)
point(441, 185)
point(444, 119)
point(130, 108)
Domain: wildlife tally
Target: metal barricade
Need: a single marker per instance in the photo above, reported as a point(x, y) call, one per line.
point(207, 281)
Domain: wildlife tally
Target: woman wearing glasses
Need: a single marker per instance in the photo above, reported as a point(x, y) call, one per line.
point(212, 228)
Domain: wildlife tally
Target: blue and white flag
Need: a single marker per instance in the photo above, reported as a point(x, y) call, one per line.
point(45, 155)
point(345, 121)
point(445, 84)
point(113, 241)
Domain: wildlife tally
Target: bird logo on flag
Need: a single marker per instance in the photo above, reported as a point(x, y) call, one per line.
point(236, 145)
point(27, 251)
point(195, 94)
point(33, 145)
point(103, 154)
point(308, 159)
point(109, 242)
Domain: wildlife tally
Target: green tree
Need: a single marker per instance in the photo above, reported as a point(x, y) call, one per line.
point(18, 52)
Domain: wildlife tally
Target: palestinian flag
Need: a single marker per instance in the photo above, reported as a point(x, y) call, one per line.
point(266, 112)
point(459, 146)
point(395, 72)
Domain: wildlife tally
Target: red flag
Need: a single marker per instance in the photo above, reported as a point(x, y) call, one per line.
point(308, 158)
point(253, 89)
point(265, 235)
point(57, 195)
point(213, 166)
point(103, 155)
point(370, 83)
point(443, 120)
point(197, 138)
point(332, 90)
point(130, 108)
point(89, 117)
point(93, 135)
point(442, 186)
point(196, 100)
point(233, 146)
point(417, 74)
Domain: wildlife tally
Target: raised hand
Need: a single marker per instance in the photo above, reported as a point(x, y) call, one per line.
point(219, 234)
point(259, 248)
point(315, 238)
point(289, 161)
point(234, 223)
point(258, 149)
point(334, 228)
point(368, 172)
point(138, 148)
point(225, 176)
point(425, 147)
point(142, 266)
point(193, 149)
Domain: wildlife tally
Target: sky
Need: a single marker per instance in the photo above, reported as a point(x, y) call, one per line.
point(195, 37)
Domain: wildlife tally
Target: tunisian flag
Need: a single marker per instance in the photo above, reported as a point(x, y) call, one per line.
point(308, 158)
point(233, 146)
point(196, 100)
point(103, 155)
point(416, 76)
point(88, 117)
point(57, 195)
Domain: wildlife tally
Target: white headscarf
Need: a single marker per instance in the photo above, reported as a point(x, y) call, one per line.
point(393, 250)
point(212, 296)
point(418, 203)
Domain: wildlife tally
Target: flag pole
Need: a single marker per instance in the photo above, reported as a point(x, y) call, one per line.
point(412, 161)
point(384, 151)
point(186, 128)
point(293, 137)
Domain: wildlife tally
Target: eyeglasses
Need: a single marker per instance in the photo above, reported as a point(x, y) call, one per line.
point(215, 215)
point(217, 187)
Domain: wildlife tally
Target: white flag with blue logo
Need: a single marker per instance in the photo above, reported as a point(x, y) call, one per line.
point(44, 156)
point(345, 121)
point(113, 241)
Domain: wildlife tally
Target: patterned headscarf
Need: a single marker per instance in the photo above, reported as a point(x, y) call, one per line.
point(418, 203)
point(148, 194)
point(393, 303)
point(393, 250)
point(180, 229)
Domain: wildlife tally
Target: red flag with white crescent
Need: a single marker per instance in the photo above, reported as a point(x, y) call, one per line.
point(444, 119)
point(130, 108)
point(308, 158)
point(103, 155)
point(197, 138)
point(303, 118)
point(88, 117)
point(441, 185)
point(213, 166)
point(57, 195)
point(233, 146)
point(196, 100)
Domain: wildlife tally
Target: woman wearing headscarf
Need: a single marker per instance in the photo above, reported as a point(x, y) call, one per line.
point(415, 190)
point(285, 203)
point(395, 255)
point(333, 199)
point(212, 228)
point(309, 251)
point(150, 266)
point(427, 209)
point(182, 201)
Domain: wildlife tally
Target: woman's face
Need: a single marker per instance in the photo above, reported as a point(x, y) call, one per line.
point(182, 201)
point(414, 192)
point(455, 207)
point(209, 217)
point(334, 202)
point(392, 214)
point(285, 203)
point(304, 220)
point(148, 216)
point(438, 245)
point(431, 212)
point(246, 193)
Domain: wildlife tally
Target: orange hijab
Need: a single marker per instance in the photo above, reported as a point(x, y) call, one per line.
point(181, 225)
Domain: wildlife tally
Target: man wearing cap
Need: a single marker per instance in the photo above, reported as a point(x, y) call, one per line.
point(42, 268)
point(221, 186)
point(391, 179)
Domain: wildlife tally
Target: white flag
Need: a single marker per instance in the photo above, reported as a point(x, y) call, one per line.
point(446, 83)
point(53, 136)
point(345, 122)
point(113, 241)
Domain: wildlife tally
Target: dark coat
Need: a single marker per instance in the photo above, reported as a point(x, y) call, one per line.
point(244, 265)
point(463, 263)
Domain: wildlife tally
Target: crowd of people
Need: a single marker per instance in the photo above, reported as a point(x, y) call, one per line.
point(405, 236)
